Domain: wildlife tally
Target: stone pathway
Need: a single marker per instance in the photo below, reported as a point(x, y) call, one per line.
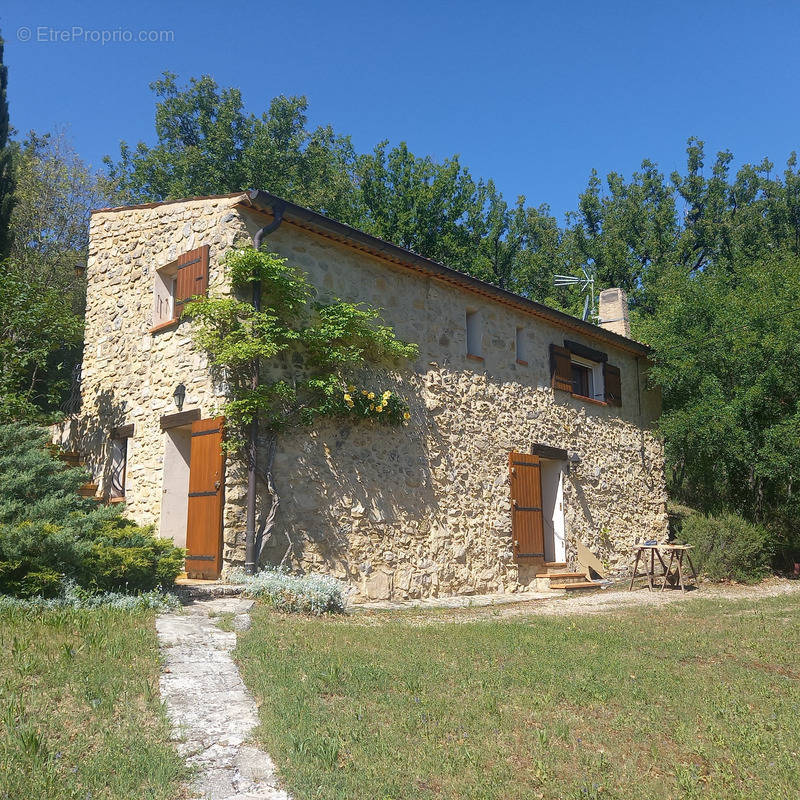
point(211, 711)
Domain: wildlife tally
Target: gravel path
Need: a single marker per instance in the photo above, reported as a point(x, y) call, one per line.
point(211, 711)
point(599, 602)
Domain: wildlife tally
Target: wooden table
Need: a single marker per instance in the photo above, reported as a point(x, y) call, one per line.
point(673, 572)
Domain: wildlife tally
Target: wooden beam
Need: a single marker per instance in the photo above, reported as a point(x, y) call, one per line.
point(545, 451)
point(122, 432)
point(181, 418)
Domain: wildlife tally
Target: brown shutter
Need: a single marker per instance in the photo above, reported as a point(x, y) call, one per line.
point(560, 368)
point(192, 277)
point(204, 515)
point(613, 384)
point(527, 520)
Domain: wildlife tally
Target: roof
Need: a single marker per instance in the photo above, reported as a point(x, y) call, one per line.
point(265, 203)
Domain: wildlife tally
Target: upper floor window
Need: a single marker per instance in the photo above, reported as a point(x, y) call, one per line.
point(175, 283)
point(585, 373)
point(521, 347)
point(474, 335)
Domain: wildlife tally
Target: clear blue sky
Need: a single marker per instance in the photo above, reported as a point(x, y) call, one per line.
point(532, 94)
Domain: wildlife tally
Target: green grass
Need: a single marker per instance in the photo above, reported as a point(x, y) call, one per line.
point(693, 700)
point(80, 715)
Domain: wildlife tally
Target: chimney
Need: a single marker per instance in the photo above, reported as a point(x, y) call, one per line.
point(613, 312)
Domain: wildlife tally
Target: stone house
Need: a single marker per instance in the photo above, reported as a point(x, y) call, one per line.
point(529, 450)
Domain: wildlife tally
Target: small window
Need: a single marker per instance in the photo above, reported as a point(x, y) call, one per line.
point(176, 283)
point(587, 378)
point(474, 334)
point(520, 347)
point(119, 466)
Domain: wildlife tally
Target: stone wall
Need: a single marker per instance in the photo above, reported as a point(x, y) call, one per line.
point(425, 509)
point(129, 374)
point(402, 512)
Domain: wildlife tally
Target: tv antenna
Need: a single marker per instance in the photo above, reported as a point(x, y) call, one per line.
point(586, 281)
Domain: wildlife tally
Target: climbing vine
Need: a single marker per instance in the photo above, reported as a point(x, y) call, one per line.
point(295, 359)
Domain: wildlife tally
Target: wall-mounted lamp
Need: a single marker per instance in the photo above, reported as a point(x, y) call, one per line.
point(179, 395)
point(80, 270)
point(573, 459)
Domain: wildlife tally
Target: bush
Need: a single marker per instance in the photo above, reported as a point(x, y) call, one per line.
point(49, 533)
point(70, 595)
point(728, 547)
point(306, 594)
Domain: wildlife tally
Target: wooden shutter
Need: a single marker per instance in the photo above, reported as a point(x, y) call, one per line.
point(560, 368)
point(527, 521)
point(613, 384)
point(206, 482)
point(192, 277)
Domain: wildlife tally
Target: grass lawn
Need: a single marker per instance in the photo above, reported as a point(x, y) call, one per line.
point(80, 714)
point(699, 699)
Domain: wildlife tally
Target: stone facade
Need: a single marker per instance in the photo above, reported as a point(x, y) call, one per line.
point(417, 511)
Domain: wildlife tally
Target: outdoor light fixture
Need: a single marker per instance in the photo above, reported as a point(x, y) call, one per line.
point(179, 395)
point(80, 270)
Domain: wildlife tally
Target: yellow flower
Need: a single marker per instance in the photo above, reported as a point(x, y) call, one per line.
point(406, 415)
point(379, 409)
point(363, 391)
point(371, 406)
point(371, 395)
point(347, 397)
point(351, 388)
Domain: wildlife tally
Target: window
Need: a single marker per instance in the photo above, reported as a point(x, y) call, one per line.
point(582, 383)
point(474, 335)
point(587, 378)
point(520, 347)
point(175, 283)
point(119, 462)
point(585, 373)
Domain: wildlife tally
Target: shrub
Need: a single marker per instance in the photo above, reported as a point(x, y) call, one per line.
point(728, 547)
point(306, 594)
point(48, 532)
point(70, 595)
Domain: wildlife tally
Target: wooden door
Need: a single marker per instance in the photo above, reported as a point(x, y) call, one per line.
point(206, 483)
point(527, 523)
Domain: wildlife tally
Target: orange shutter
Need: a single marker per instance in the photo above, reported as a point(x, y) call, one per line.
point(192, 277)
point(613, 384)
point(206, 483)
point(527, 520)
point(560, 368)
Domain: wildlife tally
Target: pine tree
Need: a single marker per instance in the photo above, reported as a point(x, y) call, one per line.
point(7, 183)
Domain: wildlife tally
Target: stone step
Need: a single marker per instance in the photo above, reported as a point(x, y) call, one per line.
point(577, 585)
point(562, 575)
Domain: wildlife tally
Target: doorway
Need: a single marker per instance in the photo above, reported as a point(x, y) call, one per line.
point(193, 485)
point(175, 495)
point(552, 472)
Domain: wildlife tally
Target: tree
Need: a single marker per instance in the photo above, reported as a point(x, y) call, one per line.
point(55, 193)
point(48, 532)
point(38, 330)
point(207, 144)
point(322, 348)
point(41, 296)
point(7, 181)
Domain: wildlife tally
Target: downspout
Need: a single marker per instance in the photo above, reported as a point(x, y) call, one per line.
point(252, 438)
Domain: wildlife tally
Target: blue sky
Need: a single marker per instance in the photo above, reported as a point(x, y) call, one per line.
point(531, 94)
